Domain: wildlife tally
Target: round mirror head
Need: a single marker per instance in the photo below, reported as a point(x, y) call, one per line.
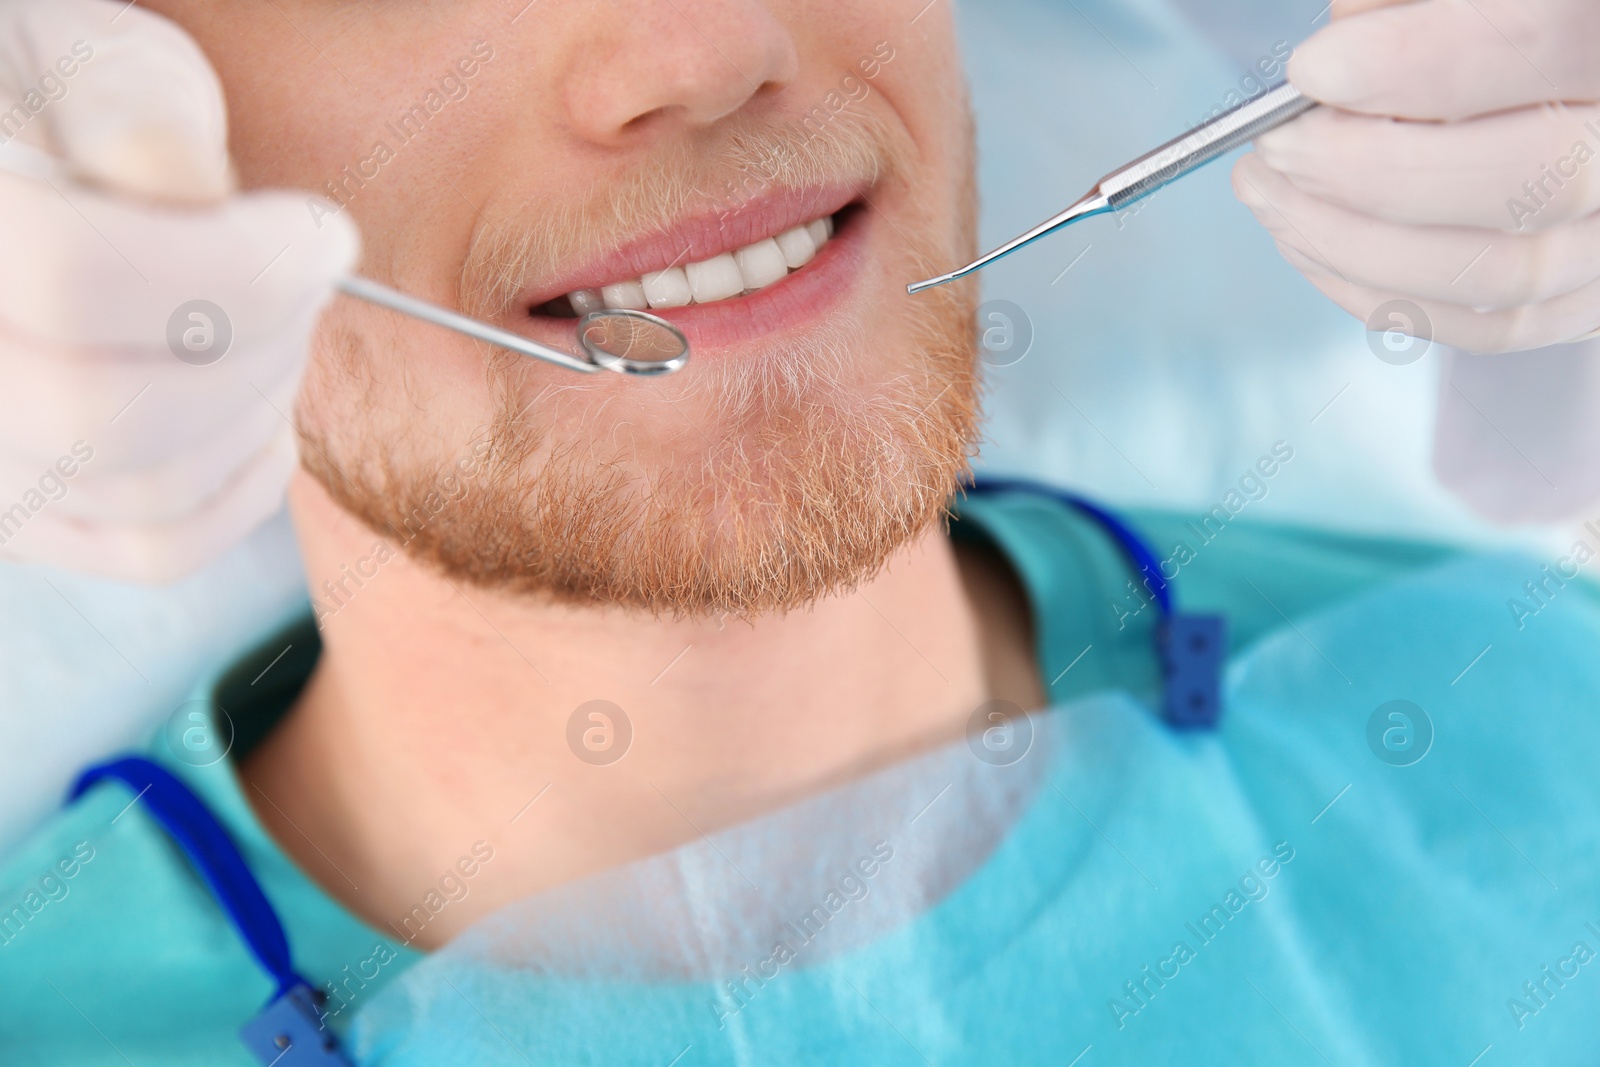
point(632, 342)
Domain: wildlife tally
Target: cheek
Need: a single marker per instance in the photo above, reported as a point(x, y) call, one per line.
point(377, 375)
point(924, 87)
point(331, 119)
point(286, 119)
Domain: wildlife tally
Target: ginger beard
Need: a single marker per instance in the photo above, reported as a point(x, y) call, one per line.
point(754, 483)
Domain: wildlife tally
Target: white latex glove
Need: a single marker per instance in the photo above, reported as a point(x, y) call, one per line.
point(1516, 436)
point(1406, 187)
point(118, 457)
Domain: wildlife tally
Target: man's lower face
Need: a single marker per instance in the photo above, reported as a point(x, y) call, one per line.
point(820, 425)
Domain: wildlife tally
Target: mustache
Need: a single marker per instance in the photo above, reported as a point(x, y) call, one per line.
point(683, 180)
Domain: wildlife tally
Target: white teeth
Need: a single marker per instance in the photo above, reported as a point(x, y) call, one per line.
point(668, 288)
point(625, 295)
point(798, 247)
point(586, 300)
point(761, 264)
point(715, 279)
point(722, 277)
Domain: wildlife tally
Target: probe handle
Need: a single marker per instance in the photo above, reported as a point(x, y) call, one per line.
point(1203, 144)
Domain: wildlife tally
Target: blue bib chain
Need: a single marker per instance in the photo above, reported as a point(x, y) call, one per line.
point(290, 1031)
point(1192, 647)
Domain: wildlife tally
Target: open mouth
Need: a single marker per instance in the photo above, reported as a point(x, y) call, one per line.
point(725, 277)
point(739, 283)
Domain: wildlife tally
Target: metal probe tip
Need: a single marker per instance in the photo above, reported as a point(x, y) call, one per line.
point(1093, 204)
point(917, 287)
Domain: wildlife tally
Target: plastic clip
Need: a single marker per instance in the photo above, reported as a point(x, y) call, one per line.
point(1193, 649)
point(290, 1032)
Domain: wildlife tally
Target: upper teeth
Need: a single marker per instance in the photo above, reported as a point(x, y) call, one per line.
point(741, 271)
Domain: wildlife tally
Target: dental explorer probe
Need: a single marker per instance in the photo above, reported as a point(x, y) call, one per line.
point(1155, 169)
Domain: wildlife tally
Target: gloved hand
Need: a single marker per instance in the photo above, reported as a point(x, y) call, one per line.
point(1481, 204)
point(154, 323)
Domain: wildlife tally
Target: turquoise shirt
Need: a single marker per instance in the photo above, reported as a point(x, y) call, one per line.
point(1282, 890)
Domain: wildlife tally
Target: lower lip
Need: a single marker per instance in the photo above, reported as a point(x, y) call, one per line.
point(789, 306)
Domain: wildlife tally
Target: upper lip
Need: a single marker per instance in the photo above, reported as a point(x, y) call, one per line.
point(697, 238)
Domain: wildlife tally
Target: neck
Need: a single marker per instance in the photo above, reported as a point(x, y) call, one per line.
point(441, 716)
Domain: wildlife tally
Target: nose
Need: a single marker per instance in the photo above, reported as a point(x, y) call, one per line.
point(655, 63)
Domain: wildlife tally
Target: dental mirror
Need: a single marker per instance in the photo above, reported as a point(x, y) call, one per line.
point(615, 339)
point(632, 342)
point(621, 340)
